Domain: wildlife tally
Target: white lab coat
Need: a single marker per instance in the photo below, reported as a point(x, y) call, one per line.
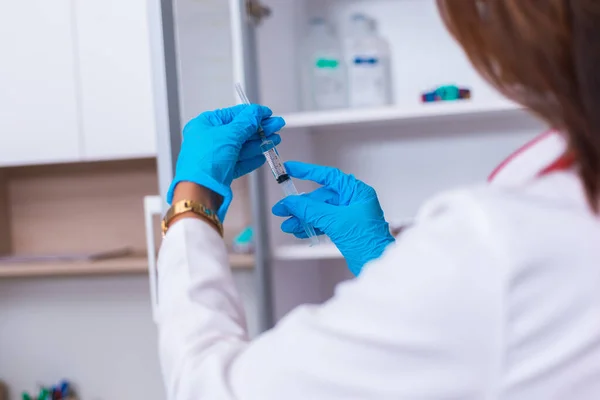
point(494, 293)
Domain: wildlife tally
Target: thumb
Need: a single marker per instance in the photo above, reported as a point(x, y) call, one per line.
point(248, 121)
point(304, 208)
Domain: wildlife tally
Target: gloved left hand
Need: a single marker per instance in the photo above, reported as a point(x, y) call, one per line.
point(220, 146)
point(344, 208)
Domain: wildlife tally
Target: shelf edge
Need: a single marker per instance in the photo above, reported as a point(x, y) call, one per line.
point(114, 267)
point(320, 119)
point(304, 252)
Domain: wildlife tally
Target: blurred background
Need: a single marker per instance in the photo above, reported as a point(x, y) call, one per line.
point(93, 95)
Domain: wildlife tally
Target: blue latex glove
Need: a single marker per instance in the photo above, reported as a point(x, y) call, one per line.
point(345, 209)
point(220, 146)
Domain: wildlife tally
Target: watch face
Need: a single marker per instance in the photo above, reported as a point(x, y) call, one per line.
point(163, 226)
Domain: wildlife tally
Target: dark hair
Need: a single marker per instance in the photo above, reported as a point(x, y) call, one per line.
point(545, 55)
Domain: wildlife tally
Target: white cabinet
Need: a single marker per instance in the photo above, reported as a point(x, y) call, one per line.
point(38, 92)
point(113, 51)
point(75, 81)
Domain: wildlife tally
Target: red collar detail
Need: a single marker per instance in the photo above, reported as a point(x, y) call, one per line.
point(562, 163)
point(518, 152)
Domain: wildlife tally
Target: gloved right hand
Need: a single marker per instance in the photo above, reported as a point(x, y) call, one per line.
point(220, 146)
point(345, 209)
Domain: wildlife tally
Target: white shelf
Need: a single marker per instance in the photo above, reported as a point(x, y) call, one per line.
point(135, 265)
point(317, 119)
point(305, 252)
point(116, 266)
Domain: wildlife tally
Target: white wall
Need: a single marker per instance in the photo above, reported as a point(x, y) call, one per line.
point(96, 332)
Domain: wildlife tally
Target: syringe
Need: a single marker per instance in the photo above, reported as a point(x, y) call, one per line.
point(279, 172)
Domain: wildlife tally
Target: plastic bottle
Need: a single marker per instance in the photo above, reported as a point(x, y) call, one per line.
point(368, 58)
point(325, 82)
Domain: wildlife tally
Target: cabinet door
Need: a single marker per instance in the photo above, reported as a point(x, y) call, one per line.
point(113, 47)
point(38, 96)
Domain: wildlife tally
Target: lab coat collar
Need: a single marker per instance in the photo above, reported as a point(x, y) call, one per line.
point(544, 154)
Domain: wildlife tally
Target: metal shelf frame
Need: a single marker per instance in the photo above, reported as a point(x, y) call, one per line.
point(169, 124)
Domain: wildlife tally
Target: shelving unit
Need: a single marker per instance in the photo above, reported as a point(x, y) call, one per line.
point(87, 208)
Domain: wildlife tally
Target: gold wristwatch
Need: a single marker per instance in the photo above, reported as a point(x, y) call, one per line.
point(199, 209)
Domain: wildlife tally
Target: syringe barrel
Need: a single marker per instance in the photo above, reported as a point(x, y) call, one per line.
point(267, 145)
point(272, 155)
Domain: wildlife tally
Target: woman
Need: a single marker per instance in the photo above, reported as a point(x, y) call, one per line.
point(494, 293)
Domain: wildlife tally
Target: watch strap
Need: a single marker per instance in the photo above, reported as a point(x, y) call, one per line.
point(197, 208)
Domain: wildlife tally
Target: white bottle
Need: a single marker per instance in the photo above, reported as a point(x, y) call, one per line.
point(325, 75)
point(368, 60)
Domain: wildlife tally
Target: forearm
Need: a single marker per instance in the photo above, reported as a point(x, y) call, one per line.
point(199, 307)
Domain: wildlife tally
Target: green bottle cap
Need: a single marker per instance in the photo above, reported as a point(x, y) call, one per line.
point(44, 394)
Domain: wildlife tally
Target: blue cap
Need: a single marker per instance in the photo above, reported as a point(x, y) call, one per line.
point(317, 21)
point(359, 17)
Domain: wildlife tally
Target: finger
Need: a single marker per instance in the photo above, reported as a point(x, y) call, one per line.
point(302, 207)
point(229, 114)
point(247, 122)
point(270, 126)
point(327, 176)
point(299, 235)
point(246, 166)
point(221, 116)
point(324, 195)
point(294, 226)
point(252, 149)
point(281, 210)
